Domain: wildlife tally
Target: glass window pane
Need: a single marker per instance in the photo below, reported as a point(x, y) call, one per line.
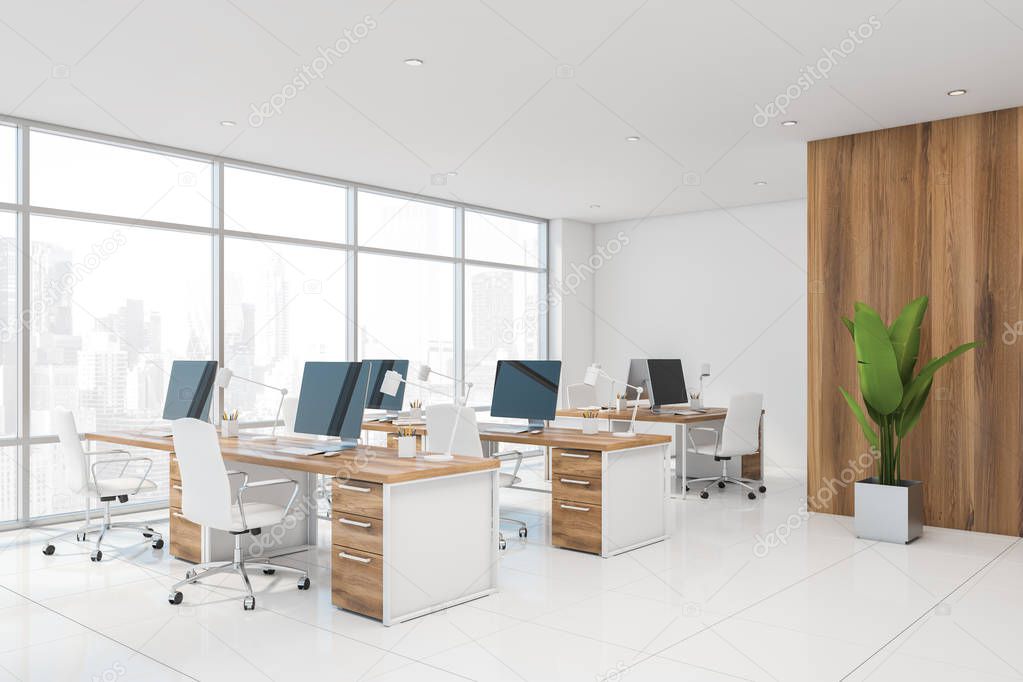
point(284, 305)
point(9, 480)
point(8, 164)
point(112, 307)
point(502, 322)
point(95, 177)
point(396, 223)
point(502, 240)
point(9, 327)
point(271, 204)
point(406, 312)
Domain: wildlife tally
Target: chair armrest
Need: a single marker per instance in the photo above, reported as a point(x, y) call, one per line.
point(93, 453)
point(265, 484)
point(717, 436)
point(509, 455)
point(244, 474)
point(272, 481)
point(125, 461)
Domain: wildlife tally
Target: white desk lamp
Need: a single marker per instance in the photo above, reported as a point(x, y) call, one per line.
point(393, 380)
point(223, 380)
point(593, 373)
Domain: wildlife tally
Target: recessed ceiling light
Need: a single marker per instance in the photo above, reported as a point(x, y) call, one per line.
point(789, 124)
point(760, 183)
point(594, 205)
point(452, 174)
point(413, 61)
point(956, 93)
point(228, 124)
point(632, 138)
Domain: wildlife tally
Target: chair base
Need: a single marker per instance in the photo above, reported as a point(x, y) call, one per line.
point(724, 479)
point(236, 565)
point(523, 531)
point(83, 531)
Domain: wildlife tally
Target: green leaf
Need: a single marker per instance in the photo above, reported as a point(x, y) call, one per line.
point(921, 382)
point(880, 382)
point(905, 336)
point(855, 407)
point(851, 326)
point(911, 414)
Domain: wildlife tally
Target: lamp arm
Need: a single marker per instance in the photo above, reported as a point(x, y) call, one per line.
point(635, 408)
point(277, 417)
point(282, 391)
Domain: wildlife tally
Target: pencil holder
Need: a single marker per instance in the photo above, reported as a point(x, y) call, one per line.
point(415, 413)
point(229, 428)
point(591, 425)
point(621, 404)
point(696, 403)
point(406, 446)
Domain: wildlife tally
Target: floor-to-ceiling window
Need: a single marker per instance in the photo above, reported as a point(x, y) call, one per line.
point(118, 258)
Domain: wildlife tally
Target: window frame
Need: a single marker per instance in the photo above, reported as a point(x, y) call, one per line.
point(24, 210)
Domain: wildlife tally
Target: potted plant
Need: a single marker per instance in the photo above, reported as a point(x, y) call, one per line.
point(887, 507)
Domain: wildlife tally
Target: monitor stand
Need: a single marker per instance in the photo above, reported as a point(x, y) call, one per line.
point(536, 425)
point(336, 447)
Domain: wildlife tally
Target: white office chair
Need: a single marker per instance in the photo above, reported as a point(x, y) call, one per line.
point(91, 481)
point(740, 436)
point(442, 419)
point(582, 396)
point(206, 500)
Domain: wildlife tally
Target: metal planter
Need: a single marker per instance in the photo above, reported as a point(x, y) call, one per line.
point(889, 513)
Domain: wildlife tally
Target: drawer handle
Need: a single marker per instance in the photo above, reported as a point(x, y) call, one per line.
point(354, 488)
point(574, 455)
point(573, 481)
point(574, 508)
point(176, 487)
point(361, 560)
point(178, 515)
point(350, 522)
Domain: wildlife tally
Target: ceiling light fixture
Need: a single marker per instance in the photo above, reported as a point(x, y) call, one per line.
point(594, 205)
point(956, 93)
point(228, 124)
point(760, 183)
point(413, 61)
point(452, 174)
point(632, 138)
point(789, 124)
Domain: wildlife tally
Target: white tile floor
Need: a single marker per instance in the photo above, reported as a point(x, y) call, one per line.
point(713, 603)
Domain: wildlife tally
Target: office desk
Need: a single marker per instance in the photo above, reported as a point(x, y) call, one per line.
point(751, 466)
point(408, 536)
point(609, 495)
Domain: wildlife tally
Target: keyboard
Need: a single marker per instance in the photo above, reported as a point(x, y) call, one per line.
point(300, 452)
point(503, 428)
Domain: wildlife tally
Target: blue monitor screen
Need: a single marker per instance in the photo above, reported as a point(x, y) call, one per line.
point(189, 389)
point(332, 399)
point(527, 389)
point(377, 399)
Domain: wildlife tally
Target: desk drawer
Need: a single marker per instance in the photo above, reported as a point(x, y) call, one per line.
point(185, 537)
point(577, 488)
point(175, 494)
point(358, 497)
point(576, 526)
point(358, 532)
point(583, 463)
point(357, 581)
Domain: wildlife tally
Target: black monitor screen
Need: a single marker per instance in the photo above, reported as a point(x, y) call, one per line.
point(190, 389)
point(377, 399)
point(527, 389)
point(667, 385)
point(332, 399)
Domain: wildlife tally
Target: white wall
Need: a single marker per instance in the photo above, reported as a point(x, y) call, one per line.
point(726, 287)
point(570, 315)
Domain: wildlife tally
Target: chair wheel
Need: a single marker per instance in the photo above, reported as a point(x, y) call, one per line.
point(158, 543)
point(704, 495)
point(752, 496)
point(269, 571)
point(189, 574)
point(687, 488)
point(303, 583)
point(721, 484)
point(763, 488)
point(523, 532)
point(48, 550)
point(175, 598)
point(502, 544)
point(146, 534)
point(249, 604)
point(97, 555)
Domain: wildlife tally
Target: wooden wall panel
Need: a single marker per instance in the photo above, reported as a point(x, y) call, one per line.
point(933, 208)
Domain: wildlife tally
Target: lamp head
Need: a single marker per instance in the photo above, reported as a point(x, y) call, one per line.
point(705, 370)
point(391, 383)
point(424, 372)
point(224, 376)
point(592, 375)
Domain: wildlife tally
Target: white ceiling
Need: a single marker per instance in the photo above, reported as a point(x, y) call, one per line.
point(491, 102)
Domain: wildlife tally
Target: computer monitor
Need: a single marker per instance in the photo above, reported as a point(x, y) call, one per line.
point(189, 389)
point(332, 400)
point(526, 389)
point(666, 383)
point(377, 399)
point(638, 376)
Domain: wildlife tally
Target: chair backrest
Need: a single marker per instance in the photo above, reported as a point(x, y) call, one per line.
point(71, 451)
point(289, 411)
point(741, 433)
point(205, 488)
point(582, 395)
point(442, 419)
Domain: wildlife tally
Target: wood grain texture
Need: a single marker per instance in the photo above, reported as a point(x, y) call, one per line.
point(575, 525)
point(357, 581)
point(933, 208)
